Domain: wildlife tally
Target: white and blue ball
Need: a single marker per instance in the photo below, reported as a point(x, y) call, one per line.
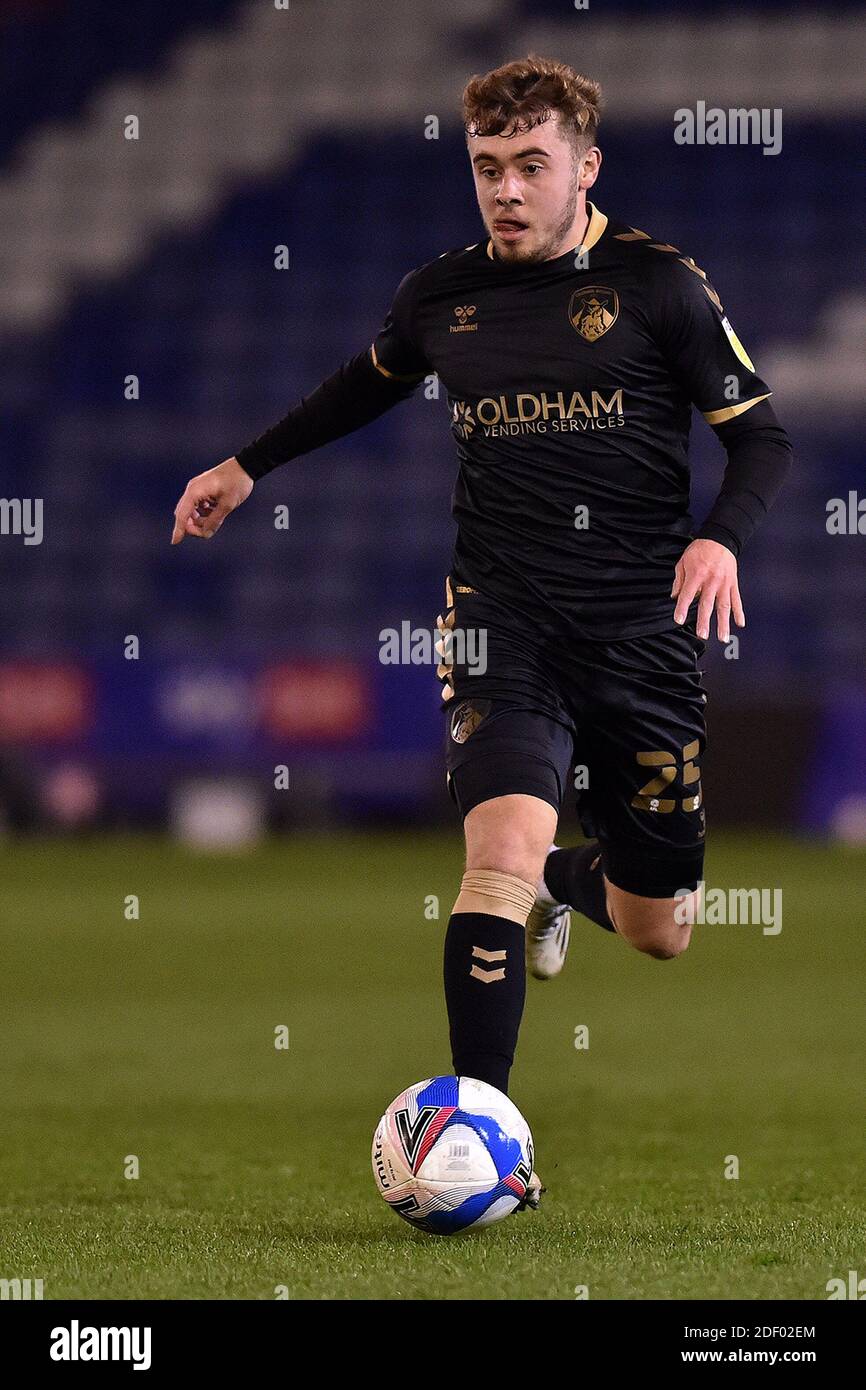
point(452, 1154)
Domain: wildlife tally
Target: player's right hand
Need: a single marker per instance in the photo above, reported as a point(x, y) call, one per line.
point(208, 499)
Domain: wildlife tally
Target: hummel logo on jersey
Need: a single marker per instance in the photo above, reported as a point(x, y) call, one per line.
point(463, 313)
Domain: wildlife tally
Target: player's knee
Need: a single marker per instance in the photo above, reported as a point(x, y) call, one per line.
point(516, 856)
point(659, 927)
point(662, 945)
point(660, 942)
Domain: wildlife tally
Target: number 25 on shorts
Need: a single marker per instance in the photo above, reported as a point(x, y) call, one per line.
point(667, 765)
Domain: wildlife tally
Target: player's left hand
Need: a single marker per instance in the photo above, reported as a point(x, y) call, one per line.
point(708, 569)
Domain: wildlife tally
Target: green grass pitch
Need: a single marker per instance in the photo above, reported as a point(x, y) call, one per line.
point(155, 1038)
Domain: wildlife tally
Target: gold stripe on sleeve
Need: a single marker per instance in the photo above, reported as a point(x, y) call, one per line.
point(718, 417)
point(392, 376)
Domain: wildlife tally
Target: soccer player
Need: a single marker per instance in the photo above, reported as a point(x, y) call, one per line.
point(572, 347)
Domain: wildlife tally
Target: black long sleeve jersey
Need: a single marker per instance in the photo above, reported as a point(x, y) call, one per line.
point(570, 384)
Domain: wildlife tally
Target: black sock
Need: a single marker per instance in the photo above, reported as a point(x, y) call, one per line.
point(570, 879)
point(485, 988)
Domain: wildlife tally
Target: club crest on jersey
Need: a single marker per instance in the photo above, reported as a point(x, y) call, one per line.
point(592, 311)
point(466, 718)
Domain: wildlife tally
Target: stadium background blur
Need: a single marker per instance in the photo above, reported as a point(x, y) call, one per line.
point(154, 258)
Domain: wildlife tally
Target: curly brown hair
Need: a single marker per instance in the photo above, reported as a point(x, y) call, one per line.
point(525, 93)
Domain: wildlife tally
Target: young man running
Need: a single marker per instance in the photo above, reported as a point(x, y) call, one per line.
point(572, 347)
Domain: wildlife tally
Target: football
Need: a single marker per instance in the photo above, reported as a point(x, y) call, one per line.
point(452, 1154)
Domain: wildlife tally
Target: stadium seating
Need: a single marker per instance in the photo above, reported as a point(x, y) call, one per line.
point(186, 298)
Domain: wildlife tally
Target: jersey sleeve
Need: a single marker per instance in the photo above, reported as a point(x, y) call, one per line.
point(395, 351)
point(700, 345)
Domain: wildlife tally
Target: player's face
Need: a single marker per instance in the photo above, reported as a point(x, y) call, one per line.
point(531, 190)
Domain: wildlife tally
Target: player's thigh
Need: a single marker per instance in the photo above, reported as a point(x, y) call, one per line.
point(510, 834)
point(508, 737)
point(644, 800)
point(507, 772)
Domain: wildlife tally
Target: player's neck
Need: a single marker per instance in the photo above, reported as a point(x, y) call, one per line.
point(576, 234)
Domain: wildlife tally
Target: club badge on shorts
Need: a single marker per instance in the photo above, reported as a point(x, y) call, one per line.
point(467, 717)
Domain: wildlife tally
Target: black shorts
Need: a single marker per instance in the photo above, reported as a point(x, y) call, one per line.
point(621, 724)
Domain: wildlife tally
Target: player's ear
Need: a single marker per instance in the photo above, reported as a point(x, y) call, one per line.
point(589, 165)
